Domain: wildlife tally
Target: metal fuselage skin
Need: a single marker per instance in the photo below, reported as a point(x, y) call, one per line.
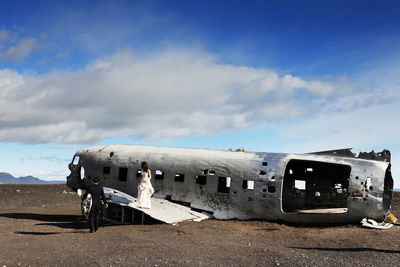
point(242, 185)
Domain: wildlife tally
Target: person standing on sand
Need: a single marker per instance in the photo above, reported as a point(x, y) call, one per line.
point(145, 189)
point(97, 193)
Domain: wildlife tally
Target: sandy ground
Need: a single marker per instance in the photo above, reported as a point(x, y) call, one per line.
point(40, 225)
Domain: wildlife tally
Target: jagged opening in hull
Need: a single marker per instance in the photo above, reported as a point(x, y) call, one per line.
point(315, 187)
point(387, 190)
point(75, 178)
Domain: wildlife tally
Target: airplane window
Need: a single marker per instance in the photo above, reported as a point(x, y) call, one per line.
point(82, 172)
point(250, 185)
point(339, 188)
point(300, 184)
point(159, 175)
point(228, 181)
point(222, 184)
point(271, 188)
point(179, 177)
point(106, 170)
point(75, 160)
point(368, 183)
point(201, 179)
point(123, 174)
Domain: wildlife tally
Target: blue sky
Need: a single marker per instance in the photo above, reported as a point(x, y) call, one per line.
point(276, 76)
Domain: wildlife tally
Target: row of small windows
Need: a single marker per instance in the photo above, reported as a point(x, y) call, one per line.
point(159, 175)
point(224, 183)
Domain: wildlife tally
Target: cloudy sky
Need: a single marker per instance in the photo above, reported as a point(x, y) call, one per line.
point(278, 76)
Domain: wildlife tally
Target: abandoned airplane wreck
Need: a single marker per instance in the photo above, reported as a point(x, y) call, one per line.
point(322, 187)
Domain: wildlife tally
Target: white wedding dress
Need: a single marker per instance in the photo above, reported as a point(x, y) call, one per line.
point(145, 191)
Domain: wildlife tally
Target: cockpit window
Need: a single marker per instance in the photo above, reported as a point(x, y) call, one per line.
point(75, 161)
point(82, 172)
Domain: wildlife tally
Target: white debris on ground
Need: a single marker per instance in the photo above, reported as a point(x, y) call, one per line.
point(374, 224)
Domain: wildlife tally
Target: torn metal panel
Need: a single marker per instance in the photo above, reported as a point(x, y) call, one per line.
point(161, 210)
point(369, 223)
point(346, 152)
point(302, 188)
point(382, 156)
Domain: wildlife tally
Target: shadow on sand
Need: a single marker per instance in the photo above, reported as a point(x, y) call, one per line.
point(42, 217)
point(63, 221)
point(352, 249)
point(36, 233)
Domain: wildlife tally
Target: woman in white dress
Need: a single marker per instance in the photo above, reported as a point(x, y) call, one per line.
point(145, 189)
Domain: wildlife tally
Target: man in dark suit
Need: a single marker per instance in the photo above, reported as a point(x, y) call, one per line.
point(97, 193)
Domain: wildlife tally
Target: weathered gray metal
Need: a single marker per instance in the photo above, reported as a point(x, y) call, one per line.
point(123, 208)
point(247, 185)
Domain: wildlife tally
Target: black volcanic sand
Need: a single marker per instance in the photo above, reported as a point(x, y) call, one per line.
point(40, 225)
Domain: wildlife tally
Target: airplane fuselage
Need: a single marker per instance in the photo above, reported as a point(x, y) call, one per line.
point(299, 188)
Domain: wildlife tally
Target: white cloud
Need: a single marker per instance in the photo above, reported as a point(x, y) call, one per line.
point(364, 128)
point(173, 94)
point(20, 51)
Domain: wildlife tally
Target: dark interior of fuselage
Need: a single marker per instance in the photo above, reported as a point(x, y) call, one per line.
point(313, 186)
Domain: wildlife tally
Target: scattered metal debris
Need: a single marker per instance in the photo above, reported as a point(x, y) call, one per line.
point(373, 224)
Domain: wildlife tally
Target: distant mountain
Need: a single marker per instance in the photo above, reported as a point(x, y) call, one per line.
point(6, 178)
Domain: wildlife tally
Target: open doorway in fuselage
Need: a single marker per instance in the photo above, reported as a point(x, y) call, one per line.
point(315, 187)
